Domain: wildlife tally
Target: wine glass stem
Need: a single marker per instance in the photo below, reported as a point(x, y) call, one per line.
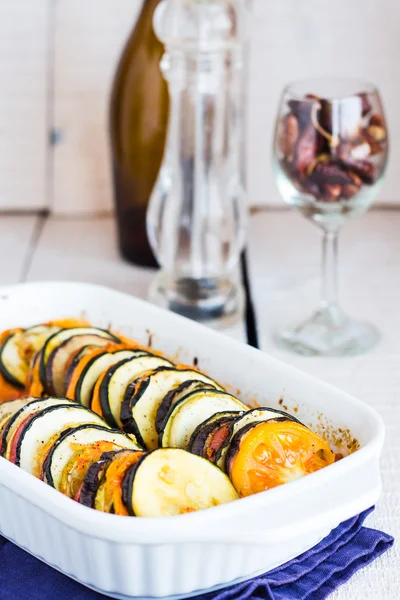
point(329, 271)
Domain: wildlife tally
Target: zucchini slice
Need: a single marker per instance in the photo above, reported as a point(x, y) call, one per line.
point(22, 415)
point(59, 358)
point(94, 368)
point(209, 436)
point(256, 415)
point(36, 433)
point(61, 336)
point(139, 412)
point(116, 380)
point(73, 439)
point(169, 482)
point(192, 410)
point(176, 394)
point(18, 349)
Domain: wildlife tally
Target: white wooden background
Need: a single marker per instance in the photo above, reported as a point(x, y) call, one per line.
point(56, 63)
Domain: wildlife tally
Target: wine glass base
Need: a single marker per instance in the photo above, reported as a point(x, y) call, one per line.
point(213, 302)
point(327, 334)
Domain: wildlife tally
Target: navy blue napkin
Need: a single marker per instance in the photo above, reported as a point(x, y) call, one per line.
point(312, 576)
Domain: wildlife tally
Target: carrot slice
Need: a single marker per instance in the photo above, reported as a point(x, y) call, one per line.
point(9, 392)
point(273, 453)
point(35, 385)
point(114, 476)
point(96, 406)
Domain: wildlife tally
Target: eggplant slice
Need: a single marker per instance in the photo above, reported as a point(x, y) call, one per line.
point(95, 478)
point(203, 440)
point(61, 336)
point(81, 435)
point(139, 412)
point(195, 482)
point(92, 481)
point(193, 410)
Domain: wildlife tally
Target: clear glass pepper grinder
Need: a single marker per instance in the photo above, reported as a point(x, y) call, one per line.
point(197, 214)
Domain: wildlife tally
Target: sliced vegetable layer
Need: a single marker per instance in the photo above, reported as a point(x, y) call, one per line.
point(89, 367)
point(30, 441)
point(113, 386)
point(256, 415)
point(79, 439)
point(56, 340)
point(169, 482)
point(210, 435)
point(21, 416)
point(137, 434)
point(141, 406)
point(265, 455)
point(193, 410)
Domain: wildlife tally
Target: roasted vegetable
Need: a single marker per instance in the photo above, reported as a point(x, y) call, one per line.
point(87, 368)
point(209, 436)
point(169, 482)
point(34, 406)
point(62, 355)
point(140, 406)
point(34, 433)
point(264, 455)
point(56, 340)
point(192, 410)
point(255, 415)
point(76, 440)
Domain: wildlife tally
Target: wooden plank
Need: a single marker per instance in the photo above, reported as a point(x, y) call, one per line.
point(89, 38)
point(85, 249)
point(16, 245)
point(284, 257)
point(24, 76)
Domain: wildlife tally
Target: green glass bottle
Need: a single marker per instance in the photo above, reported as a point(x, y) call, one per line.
point(138, 124)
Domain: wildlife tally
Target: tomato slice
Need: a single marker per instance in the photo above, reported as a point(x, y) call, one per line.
point(216, 440)
point(274, 453)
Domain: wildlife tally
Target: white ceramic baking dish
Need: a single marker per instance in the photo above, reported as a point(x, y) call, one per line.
point(185, 555)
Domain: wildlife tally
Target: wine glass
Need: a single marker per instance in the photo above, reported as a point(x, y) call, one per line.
point(330, 155)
